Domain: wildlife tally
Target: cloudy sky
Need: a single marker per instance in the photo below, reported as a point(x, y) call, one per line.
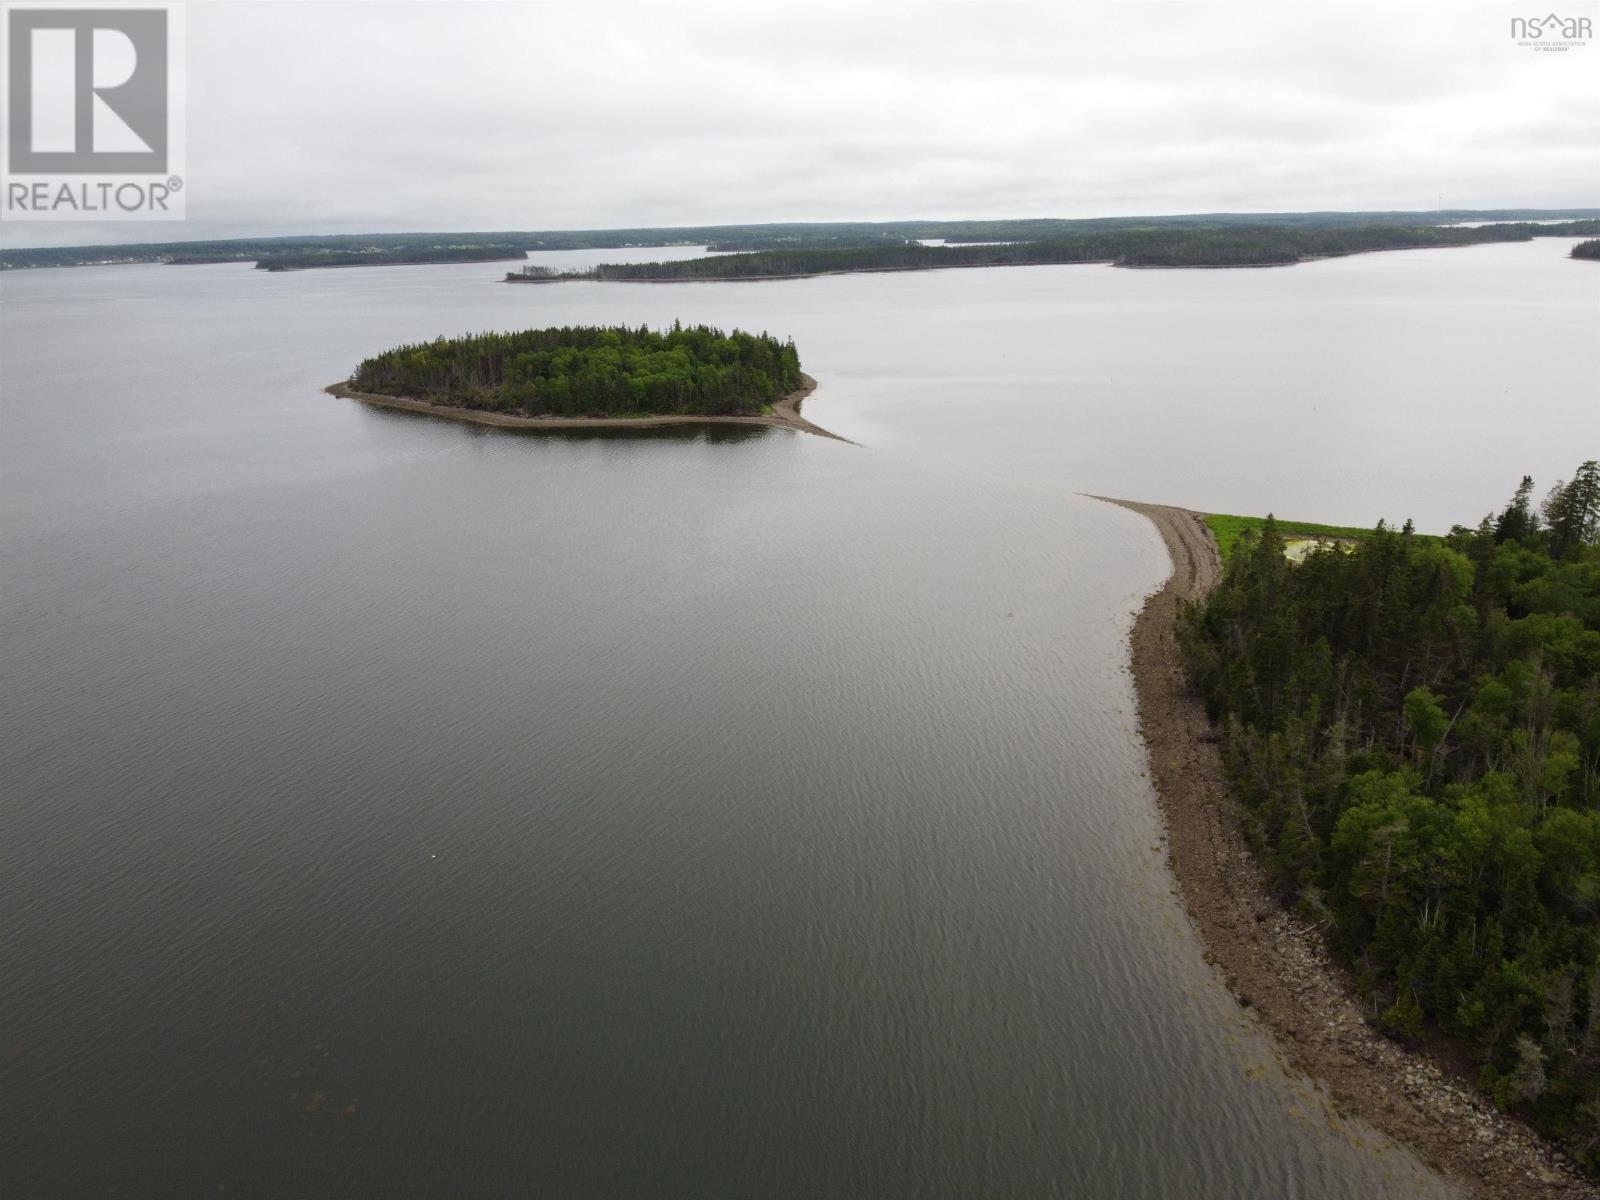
point(314, 117)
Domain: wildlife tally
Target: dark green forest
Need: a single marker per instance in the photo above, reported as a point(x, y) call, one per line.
point(807, 240)
point(794, 235)
point(590, 371)
point(1589, 250)
point(1245, 246)
point(1412, 728)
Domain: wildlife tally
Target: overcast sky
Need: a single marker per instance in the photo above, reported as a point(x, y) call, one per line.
point(315, 118)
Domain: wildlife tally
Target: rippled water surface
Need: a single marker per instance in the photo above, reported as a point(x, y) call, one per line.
point(392, 807)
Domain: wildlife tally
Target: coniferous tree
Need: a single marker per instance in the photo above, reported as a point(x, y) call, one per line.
point(1572, 510)
point(1412, 727)
point(1518, 520)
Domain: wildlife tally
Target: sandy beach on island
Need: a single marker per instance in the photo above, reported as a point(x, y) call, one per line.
point(1271, 963)
point(785, 414)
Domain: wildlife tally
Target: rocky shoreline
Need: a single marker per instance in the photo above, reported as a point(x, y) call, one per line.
point(785, 414)
point(1271, 963)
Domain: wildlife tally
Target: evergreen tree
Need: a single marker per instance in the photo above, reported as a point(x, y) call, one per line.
point(1412, 728)
point(1518, 520)
point(1572, 510)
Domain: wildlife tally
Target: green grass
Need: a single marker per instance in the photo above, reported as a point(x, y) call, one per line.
point(1226, 529)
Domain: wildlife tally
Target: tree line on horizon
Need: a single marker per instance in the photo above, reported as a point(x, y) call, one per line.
point(797, 235)
point(1412, 729)
point(1245, 246)
point(375, 256)
point(577, 371)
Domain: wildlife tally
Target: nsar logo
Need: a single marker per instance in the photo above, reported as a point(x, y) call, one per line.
point(1551, 32)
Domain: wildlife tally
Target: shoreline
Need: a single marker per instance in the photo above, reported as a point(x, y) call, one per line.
point(785, 414)
point(1268, 961)
point(512, 277)
point(1085, 262)
point(432, 262)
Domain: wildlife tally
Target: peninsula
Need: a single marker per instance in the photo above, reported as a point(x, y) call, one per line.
point(1405, 896)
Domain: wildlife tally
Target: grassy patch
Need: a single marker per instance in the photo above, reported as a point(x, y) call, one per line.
point(1226, 529)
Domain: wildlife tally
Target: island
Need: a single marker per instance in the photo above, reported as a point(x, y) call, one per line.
point(573, 377)
point(1589, 250)
point(1162, 246)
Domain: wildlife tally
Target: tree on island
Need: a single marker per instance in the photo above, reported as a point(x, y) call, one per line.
point(577, 371)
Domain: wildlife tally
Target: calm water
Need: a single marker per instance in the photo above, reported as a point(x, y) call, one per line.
point(391, 807)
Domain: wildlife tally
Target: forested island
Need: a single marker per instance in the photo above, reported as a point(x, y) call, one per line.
point(1589, 250)
point(1412, 729)
point(1245, 246)
point(589, 374)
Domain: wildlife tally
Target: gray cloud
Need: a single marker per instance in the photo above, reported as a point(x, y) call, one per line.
point(357, 117)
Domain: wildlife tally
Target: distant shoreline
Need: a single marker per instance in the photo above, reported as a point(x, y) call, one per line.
point(1269, 962)
point(1303, 260)
point(955, 234)
point(512, 277)
point(273, 269)
point(785, 414)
